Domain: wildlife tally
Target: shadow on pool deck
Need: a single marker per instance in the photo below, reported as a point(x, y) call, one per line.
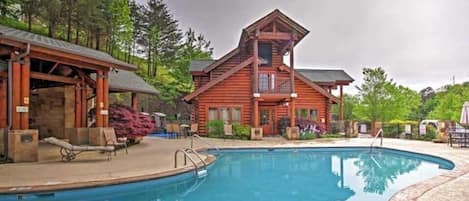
point(154, 157)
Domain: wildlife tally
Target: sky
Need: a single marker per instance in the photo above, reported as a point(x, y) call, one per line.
point(419, 43)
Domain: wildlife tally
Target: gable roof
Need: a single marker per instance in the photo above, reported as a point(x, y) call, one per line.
point(276, 15)
point(63, 46)
point(325, 75)
point(127, 81)
point(235, 69)
point(218, 79)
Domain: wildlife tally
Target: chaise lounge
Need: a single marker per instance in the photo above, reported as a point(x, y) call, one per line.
point(69, 151)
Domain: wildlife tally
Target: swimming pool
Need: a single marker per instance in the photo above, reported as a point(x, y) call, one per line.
point(278, 174)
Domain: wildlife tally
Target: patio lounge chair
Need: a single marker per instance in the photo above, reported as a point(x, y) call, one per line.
point(69, 151)
point(228, 128)
point(112, 140)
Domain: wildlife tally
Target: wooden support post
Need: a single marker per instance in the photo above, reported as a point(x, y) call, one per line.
point(256, 123)
point(255, 65)
point(78, 104)
point(84, 105)
point(25, 73)
point(16, 93)
point(292, 113)
point(292, 69)
point(99, 99)
point(341, 106)
point(3, 102)
point(328, 115)
point(134, 101)
point(106, 98)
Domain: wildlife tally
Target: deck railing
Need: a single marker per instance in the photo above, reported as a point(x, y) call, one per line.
point(274, 85)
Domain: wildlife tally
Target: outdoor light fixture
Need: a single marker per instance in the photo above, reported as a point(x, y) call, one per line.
point(294, 95)
point(256, 95)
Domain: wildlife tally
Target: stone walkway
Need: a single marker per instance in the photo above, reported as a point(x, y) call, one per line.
point(154, 158)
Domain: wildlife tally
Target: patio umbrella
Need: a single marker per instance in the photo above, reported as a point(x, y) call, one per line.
point(465, 114)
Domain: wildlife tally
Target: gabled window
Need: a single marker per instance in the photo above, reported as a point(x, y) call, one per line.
point(265, 54)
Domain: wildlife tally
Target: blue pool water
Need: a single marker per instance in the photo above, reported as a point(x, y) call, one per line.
point(278, 174)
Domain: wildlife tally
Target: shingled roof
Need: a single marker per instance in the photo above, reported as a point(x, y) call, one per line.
point(314, 75)
point(126, 81)
point(63, 46)
point(324, 75)
point(199, 65)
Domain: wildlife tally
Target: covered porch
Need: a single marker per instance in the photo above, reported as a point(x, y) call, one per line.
point(42, 79)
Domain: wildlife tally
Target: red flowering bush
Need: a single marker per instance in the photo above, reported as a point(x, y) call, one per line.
point(129, 123)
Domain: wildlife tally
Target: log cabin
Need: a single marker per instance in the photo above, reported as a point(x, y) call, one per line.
point(252, 85)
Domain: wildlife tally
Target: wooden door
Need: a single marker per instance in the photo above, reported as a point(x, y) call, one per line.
point(267, 120)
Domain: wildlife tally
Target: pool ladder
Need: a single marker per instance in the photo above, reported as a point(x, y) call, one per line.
point(187, 152)
point(379, 133)
point(202, 140)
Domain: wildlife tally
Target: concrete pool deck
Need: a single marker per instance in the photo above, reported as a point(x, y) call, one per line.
point(154, 158)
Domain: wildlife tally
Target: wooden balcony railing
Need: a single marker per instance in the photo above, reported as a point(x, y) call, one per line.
point(268, 83)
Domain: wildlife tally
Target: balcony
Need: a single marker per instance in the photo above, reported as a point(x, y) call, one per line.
point(270, 84)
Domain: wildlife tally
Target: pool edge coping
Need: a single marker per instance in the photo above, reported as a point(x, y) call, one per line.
point(412, 192)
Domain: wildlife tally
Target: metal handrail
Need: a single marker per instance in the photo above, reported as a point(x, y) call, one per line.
point(202, 140)
point(379, 133)
point(186, 155)
point(190, 150)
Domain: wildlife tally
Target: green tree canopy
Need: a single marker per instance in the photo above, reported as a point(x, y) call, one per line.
point(382, 100)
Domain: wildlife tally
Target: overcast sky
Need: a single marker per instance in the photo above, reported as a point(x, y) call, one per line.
point(419, 43)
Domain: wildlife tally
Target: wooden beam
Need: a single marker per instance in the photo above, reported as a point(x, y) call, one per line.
point(256, 120)
point(255, 66)
point(99, 99)
point(292, 71)
point(274, 36)
point(292, 108)
point(16, 93)
point(106, 98)
point(218, 79)
point(135, 101)
point(53, 67)
point(25, 72)
point(84, 104)
point(341, 106)
point(53, 78)
point(78, 105)
point(3, 103)
point(66, 61)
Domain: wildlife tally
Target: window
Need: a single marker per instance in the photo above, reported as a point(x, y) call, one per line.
point(304, 113)
point(265, 54)
point(227, 114)
point(266, 82)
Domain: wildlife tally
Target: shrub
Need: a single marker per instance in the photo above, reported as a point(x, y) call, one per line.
point(215, 128)
point(307, 125)
point(307, 136)
point(283, 123)
point(129, 123)
point(394, 129)
point(331, 136)
point(242, 131)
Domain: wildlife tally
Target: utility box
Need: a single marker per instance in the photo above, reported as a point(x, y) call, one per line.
point(256, 133)
point(23, 145)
